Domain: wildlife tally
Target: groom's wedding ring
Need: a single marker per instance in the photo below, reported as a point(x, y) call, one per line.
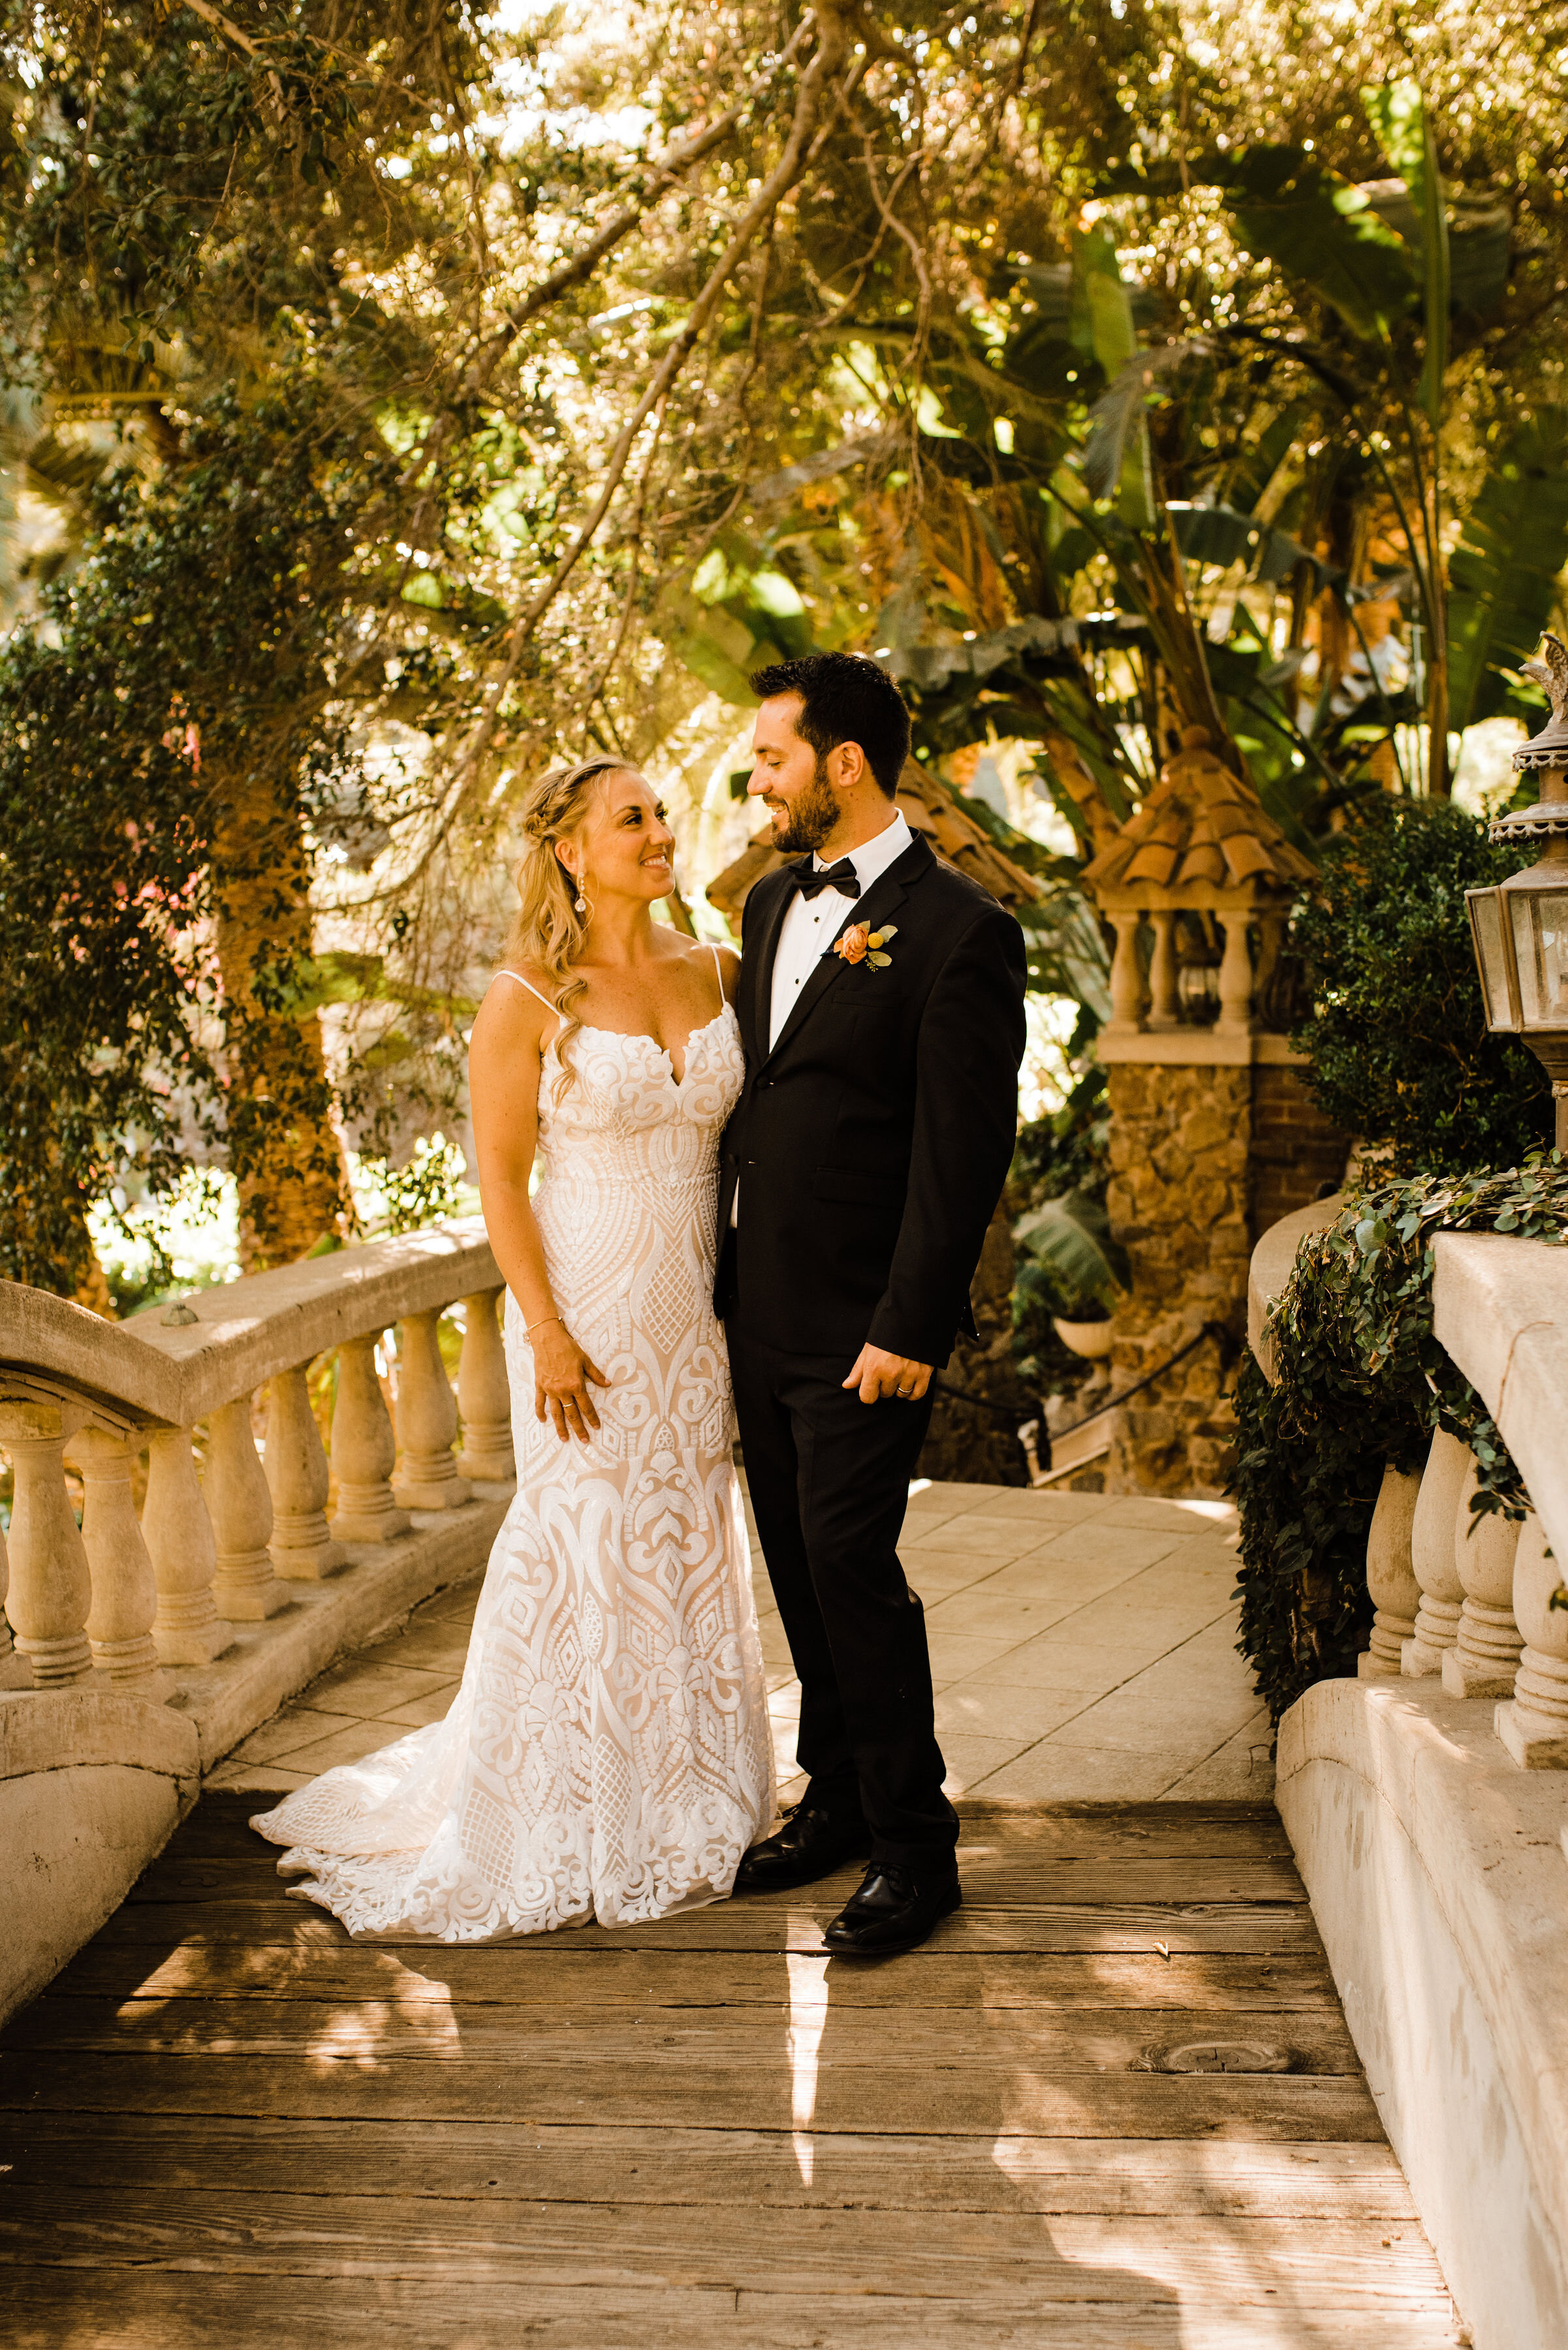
point(905, 1393)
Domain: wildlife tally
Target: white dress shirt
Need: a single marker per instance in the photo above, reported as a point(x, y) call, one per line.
point(812, 924)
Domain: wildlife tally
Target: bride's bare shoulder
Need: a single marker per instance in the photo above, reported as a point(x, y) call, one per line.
point(514, 1015)
point(700, 953)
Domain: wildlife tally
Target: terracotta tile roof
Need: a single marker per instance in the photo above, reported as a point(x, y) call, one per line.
point(1200, 824)
point(930, 810)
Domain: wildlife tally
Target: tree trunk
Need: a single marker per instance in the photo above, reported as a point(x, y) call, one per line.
point(284, 1147)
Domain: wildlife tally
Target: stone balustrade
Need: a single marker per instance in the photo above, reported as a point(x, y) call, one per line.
point(256, 1554)
point(132, 1596)
point(1422, 1804)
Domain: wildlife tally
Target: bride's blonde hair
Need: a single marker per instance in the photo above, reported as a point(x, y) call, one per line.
point(547, 929)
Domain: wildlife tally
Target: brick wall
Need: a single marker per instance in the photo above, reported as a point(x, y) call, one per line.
point(1295, 1150)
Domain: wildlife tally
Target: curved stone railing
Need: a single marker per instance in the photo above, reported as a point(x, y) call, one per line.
point(1422, 1802)
point(219, 1547)
point(149, 1642)
point(1465, 1597)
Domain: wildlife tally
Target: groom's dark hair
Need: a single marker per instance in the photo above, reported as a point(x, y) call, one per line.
point(848, 700)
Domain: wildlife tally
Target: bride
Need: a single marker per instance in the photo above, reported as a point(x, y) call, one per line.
point(609, 1753)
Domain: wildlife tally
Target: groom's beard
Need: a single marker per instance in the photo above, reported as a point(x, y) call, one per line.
point(811, 815)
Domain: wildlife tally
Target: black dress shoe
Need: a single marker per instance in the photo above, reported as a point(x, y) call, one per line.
point(811, 1844)
point(891, 1913)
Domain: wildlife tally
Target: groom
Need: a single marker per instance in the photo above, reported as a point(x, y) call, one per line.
point(881, 1003)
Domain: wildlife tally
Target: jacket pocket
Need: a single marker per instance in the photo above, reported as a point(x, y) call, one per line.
point(856, 1184)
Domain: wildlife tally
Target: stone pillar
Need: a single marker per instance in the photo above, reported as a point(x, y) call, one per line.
point(1485, 1654)
point(1534, 1726)
point(298, 1479)
point(426, 1421)
point(1177, 1204)
point(1127, 974)
point(1390, 1577)
point(50, 1588)
point(124, 1588)
point(485, 1393)
point(246, 1588)
point(177, 1533)
point(5, 1586)
point(363, 1450)
point(1162, 1012)
point(1432, 1556)
point(1235, 977)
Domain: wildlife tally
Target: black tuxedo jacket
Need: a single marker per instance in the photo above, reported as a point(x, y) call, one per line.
point(872, 1142)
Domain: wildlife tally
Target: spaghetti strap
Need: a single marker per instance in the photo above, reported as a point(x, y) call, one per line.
point(718, 973)
point(504, 973)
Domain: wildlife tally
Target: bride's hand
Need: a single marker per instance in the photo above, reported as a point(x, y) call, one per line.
point(561, 1376)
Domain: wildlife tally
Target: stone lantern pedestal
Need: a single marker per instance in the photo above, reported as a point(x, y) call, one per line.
point(1212, 1136)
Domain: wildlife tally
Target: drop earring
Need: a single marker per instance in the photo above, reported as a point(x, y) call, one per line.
point(579, 903)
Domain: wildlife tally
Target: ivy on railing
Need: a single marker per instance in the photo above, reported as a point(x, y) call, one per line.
point(1360, 1382)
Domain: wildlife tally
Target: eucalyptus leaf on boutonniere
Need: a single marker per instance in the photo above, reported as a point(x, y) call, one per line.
point(859, 943)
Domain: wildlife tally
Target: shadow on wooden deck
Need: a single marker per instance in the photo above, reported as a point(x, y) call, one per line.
point(227, 2123)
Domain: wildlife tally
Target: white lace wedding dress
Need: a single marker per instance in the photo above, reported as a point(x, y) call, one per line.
point(609, 1752)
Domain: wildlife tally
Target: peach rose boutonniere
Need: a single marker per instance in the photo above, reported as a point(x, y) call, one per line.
point(861, 944)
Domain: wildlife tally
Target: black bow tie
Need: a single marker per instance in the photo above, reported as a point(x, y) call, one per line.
point(809, 879)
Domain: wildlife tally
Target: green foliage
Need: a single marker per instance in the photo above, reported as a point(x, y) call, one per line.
point(1066, 1261)
point(1397, 1040)
point(1504, 573)
point(1359, 1384)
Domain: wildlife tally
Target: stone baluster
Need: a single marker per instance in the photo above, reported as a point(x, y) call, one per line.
point(1432, 1556)
point(50, 1590)
point(1485, 1654)
point(298, 1479)
point(1235, 975)
point(1127, 974)
point(363, 1450)
point(427, 1421)
point(177, 1533)
point(1390, 1577)
point(240, 1506)
point(1533, 1727)
point(1162, 973)
point(124, 1587)
point(5, 1586)
point(484, 1394)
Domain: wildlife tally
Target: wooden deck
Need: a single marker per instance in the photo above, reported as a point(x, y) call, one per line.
point(225, 2123)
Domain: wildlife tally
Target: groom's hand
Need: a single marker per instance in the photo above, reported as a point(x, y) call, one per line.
point(878, 1374)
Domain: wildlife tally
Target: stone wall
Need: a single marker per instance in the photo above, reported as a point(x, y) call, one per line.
point(1178, 1203)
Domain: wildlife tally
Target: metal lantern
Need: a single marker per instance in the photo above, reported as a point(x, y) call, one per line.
point(1520, 928)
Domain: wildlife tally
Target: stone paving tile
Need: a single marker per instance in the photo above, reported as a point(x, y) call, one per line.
point(301, 1725)
point(350, 1745)
point(368, 1690)
point(1082, 1646)
point(1240, 1772)
point(1049, 1774)
point(1159, 1517)
point(421, 1711)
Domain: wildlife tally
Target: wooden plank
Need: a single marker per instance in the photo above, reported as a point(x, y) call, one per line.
point(948, 2101)
point(150, 2308)
point(1237, 1927)
point(546, 1971)
point(219, 1828)
point(992, 1880)
point(1051, 2045)
point(603, 2245)
point(720, 2170)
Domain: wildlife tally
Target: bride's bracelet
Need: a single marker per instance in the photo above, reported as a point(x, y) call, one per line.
point(530, 1327)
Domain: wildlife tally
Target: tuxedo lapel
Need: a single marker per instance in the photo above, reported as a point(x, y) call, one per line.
point(759, 968)
point(885, 894)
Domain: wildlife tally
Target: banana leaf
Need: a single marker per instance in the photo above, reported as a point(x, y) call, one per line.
point(1504, 572)
point(1317, 228)
point(1072, 1237)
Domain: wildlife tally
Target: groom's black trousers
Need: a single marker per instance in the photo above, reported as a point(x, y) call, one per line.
point(829, 1481)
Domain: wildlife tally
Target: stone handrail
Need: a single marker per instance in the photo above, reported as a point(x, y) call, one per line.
point(1465, 1598)
point(126, 1598)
